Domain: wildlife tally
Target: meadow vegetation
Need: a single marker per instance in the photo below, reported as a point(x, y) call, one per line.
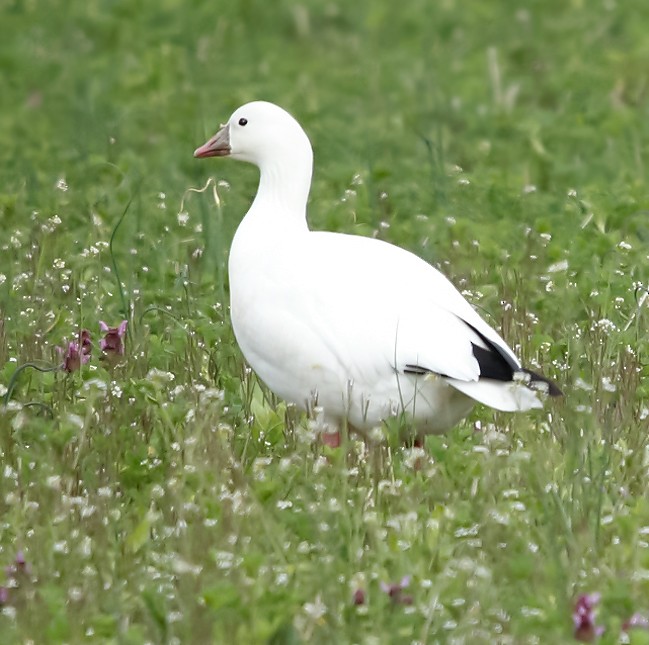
point(162, 495)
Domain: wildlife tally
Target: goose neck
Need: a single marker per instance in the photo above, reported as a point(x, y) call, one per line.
point(283, 189)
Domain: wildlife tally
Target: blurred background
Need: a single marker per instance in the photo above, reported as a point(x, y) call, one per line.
point(517, 97)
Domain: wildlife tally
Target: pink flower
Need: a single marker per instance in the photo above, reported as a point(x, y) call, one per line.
point(77, 352)
point(112, 342)
point(358, 597)
point(395, 591)
point(18, 567)
point(583, 618)
point(85, 342)
point(637, 621)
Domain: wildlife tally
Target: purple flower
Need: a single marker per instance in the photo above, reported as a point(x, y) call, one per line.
point(395, 591)
point(637, 621)
point(358, 597)
point(77, 352)
point(4, 596)
point(85, 342)
point(583, 618)
point(18, 567)
point(112, 342)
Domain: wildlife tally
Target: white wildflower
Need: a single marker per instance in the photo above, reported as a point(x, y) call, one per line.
point(316, 609)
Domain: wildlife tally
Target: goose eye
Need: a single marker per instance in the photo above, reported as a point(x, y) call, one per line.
point(243, 121)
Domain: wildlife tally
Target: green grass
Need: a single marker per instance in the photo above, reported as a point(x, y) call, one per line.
point(168, 499)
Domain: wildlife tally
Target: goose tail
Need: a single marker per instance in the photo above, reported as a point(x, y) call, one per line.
point(524, 392)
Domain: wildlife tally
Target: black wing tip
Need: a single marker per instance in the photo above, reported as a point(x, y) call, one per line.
point(492, 364)
point(496, 365)
point(493, 368)
point(550, 387)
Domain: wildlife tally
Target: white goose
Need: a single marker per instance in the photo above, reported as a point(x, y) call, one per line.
point(361, 328)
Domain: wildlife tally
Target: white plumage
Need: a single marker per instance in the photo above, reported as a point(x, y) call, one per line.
point(362, 328)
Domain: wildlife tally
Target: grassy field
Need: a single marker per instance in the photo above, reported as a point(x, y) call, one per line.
point(165, 497)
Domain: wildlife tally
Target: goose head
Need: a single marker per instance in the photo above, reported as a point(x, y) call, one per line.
point(260, 133)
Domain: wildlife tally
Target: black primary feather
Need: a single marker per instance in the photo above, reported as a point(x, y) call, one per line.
point(492, 364)
point(496, 364)
point(417, 370)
